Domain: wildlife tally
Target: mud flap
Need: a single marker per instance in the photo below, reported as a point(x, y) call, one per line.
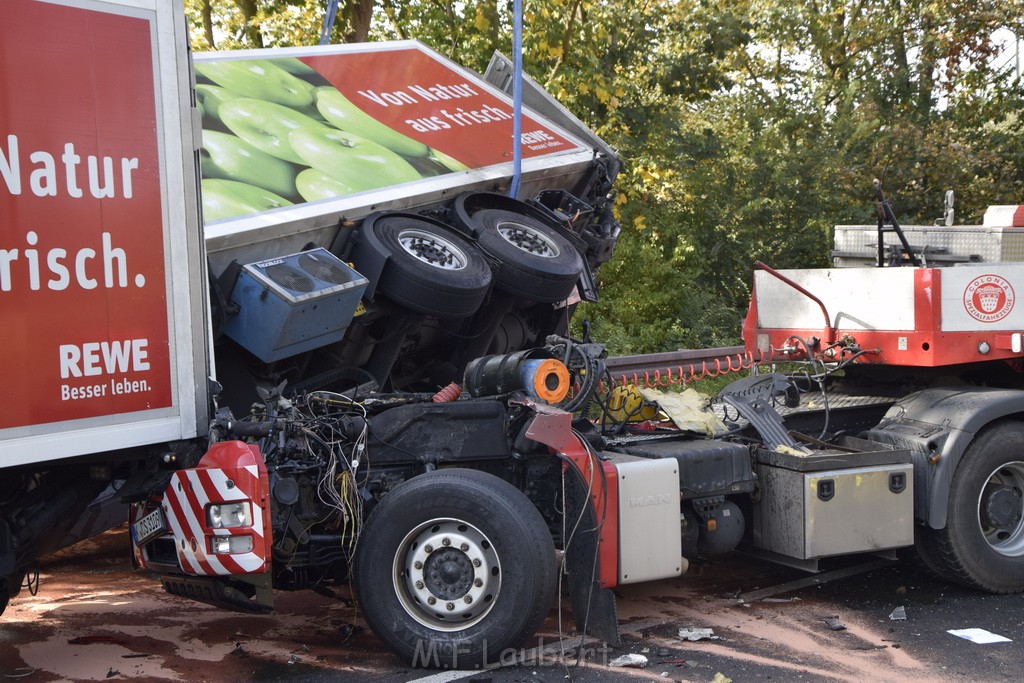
point(593, 607)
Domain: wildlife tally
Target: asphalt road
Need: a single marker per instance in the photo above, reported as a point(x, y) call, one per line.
point(95, 619)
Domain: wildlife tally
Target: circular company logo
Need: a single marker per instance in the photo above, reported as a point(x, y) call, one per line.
point(989, 298)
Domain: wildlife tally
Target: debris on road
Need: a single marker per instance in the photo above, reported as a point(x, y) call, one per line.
point(629, 660)
point(348, 631)
point(979, 635)
point(780, 599)
point(694, 634)
point(834, 624)
point(899, 614)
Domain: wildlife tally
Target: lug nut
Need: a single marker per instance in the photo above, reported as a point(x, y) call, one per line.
point(476, 563)
point(431, 600)
point(417, 565)
point(428, 548)
point(419, 585)
point(468, 599)
point(478, 583)
point(445, 542)
point(464, 547)
point(450, 606)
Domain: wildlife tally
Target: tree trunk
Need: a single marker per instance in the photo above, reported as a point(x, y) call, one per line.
point(358, 16)
point(206, 12)
point(926, 70)
point(251, 28)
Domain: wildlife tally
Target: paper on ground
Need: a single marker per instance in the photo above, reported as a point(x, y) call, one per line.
point(978, 635)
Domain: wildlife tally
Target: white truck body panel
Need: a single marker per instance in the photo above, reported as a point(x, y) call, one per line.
point(982, 297)
point(856, 298)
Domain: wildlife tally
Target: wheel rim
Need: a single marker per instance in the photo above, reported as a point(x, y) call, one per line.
point(447, 574)
point(1001, 509)
point(432, 249)
point(528, 238)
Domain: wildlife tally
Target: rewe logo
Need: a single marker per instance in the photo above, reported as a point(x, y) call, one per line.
point(989, 298)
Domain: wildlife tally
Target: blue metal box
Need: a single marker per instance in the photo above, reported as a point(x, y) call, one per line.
point(294, 303)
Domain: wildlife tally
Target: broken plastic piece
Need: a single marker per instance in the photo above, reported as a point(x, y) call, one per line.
point(899, 614)
point(694, 634)
point(629, 660)
point(834, 624)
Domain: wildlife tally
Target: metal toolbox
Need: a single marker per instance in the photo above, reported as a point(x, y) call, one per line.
point(834, 502)
point(293, 304)
point(939, 245)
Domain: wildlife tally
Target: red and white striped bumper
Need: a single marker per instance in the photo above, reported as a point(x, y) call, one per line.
point(230, 472)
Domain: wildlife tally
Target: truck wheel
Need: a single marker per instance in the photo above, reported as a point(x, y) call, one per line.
point(983, 543)
point(536, 262)
point(453, 568)
point(431, 270)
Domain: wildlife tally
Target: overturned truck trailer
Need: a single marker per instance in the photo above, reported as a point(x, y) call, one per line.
point(398, 163)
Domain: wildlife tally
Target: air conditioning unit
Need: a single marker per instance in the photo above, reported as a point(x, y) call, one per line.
point(294, 303)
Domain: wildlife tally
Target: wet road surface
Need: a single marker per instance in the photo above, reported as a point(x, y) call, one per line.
point(95, 619)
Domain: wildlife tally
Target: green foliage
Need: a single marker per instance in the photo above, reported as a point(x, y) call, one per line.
point(748, 127)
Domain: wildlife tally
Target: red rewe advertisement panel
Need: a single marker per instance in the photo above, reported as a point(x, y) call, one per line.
point(284, 128)
point(96, 161)
point(416, 95)
point(82, 283)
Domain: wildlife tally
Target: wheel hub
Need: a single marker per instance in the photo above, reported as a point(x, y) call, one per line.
point(528, 238)
point(447, 574)
point(1000, 506)
point(1001, 509)
point(433, 249)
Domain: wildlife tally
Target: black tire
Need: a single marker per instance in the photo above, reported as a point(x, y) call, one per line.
point(430, 270)
point(536, 262)
point(484, 518)
point(982, 545)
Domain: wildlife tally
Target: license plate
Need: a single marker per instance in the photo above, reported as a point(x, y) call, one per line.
point(149, 527)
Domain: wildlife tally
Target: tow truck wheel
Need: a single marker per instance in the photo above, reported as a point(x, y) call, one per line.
point(983, 542)
point(454, 568)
